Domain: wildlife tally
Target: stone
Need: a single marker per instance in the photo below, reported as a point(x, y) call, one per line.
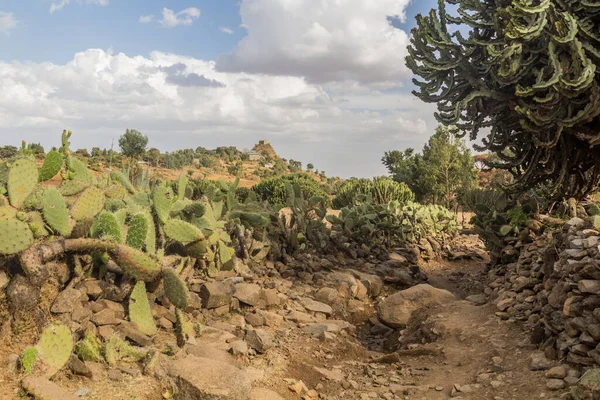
point(78, 367)
point(66, 300)
point(105, 317)
point(83, 392)
point(505, 304)
point(91, 287)
point(131, 332)
point(555, 384)
point(272, 298)
point(271, 319)
point(327, 295)
point(477, 299)
point(248, 293)
point(115, 375)
point(264, 394)
point(210, 353)
point(43, 389)
point(395, 310)
point(373, 283)
point(202, 378)
point(255, 319)
point(239, 348)
point(335, 375)
point(589, 286)
point(317, 330)
point(215, 294)
point(559, 372)
point(12, 363)
point(215, 337)
point(4, 280)
point(96, 369)
point(539, 362)
point(298, 316)
point(259, 339)
point(80, 313)
point(316, 306)
point(106, 331)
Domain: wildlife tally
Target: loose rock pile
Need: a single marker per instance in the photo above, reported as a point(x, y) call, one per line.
point(554, 288)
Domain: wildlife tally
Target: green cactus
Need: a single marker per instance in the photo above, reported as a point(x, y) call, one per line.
point(140, 198)
point(181, 186)
point(150, 241)
point(183, 328)
point(135, 263)
point(35, 199)
point(138, 231)
point(249, 219)
point(71, 188)
point(89, 204)
point(175, 289)
point(113, 205)
point(55, 347)
point(37, 225)
point(52, 165)
point(120, 178)
point(109, 227)
point(116, 192)
point(162, 199)
point(89, 349)
point(116, 349)
point(55, 211)
point(182, 231)
point(592, 209)
point(7, 212)
point(80, 170)
point(139, 310)
point(15, 236)
point(194, 210)
point(196, 249)
point(28, 360)
point(22, 179)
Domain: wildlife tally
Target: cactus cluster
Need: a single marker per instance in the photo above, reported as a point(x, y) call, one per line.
point(382, 189)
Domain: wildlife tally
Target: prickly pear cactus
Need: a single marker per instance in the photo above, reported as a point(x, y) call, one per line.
point(150, 241)
point(55, 211)
point(22, 179)
point(52, 165)
point(115, 192)
point(175, 289)
point(109, 227)
point(7, 212)
point(139, 310)
point(80, 170)
point(196, 249)
point(55, 347)
point(181, 186)
point(182, 231)
point(28, 359)
point(71, 188)
point(162, 199)
point(37, 225)
point(113, 205)
point(89, 349)
point(184, 330)
point(89, 204)
point(119, 177)
point(116, 350)
point(138, 231)
point(136, 263)
point(15, 236)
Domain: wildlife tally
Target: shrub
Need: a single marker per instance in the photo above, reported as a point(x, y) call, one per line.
point(274, 189)
point(382, 189)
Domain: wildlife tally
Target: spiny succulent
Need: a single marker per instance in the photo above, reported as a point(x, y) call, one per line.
point(55, 347)
point(52, 165)
point(55, 211)
point(89, 204)
point(175, 289)
point(139, 310)
point(15, 236)
point(22, 179)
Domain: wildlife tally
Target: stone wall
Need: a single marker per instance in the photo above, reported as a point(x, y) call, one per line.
point(554, 288)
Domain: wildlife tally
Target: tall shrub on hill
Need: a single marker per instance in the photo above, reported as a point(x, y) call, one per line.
point(274, 190)
point(382, 190)
point(519, 76)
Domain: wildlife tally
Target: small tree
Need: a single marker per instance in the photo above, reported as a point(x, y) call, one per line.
point(96, 152)
point(133, 144)
point(310, 167)
point(153, 155)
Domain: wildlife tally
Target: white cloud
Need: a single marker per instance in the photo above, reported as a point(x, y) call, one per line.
point(183, 102)
point(185, 17)
point(226, 30)
point(62, 3)
point(322, 40)
point(145, 19)
point(8, 22)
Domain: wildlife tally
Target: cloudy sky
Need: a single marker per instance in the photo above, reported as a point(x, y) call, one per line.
point(323, 80)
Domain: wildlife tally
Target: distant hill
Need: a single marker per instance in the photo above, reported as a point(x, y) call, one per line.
point(264, 148)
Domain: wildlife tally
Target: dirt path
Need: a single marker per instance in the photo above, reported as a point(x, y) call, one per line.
point(477, 355)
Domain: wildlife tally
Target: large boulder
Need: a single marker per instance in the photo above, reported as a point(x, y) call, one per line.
point(396, 309)
point(200, 378)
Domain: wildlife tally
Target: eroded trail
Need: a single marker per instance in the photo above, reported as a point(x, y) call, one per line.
point(472, 354)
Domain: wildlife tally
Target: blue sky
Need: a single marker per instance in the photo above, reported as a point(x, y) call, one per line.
point(226, 72)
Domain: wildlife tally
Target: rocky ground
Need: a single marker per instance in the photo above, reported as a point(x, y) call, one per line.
point(314, 329)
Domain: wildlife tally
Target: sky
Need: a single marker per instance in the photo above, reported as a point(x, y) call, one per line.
point(323, 80)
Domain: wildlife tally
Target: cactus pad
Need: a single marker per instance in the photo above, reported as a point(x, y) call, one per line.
point(89, 349)
point(141, 199)
point(175, 289)
point(7, 212)
point(196, 249)
point(37, 225)
point(22, 179)
point(55, 346)
point(182, 231)
point(52, 165)
point(183, 328)
point(151, 235)
point(139, 310)
point(113, 205)
point(89, 204)
point(116, 349)
point(71, 188)
point(123, 180)
point(138, 231)
point(80, 170)
point(15, 236)
point(35, 200)
point(136, 263)
point(28, 359)
point(108, 226)
point(115, 192)
point(181, 186)
point(55, 211)
point(162, 199)
point(83, 228)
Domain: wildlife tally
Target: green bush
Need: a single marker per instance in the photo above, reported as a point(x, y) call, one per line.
point(382, 189)
point(274, 189)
